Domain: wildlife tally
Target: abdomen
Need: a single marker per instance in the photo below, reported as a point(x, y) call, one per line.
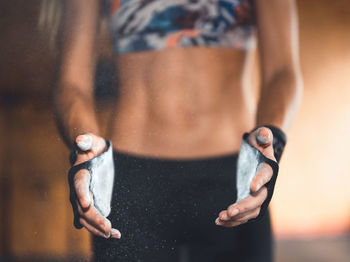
point(183, 102)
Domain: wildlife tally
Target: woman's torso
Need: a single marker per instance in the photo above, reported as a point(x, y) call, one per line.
point(186, 101)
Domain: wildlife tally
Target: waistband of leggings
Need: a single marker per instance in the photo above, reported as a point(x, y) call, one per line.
point(134, 157)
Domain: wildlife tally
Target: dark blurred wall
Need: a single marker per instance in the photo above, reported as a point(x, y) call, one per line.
point(35, 215)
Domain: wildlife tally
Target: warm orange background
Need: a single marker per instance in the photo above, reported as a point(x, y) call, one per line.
point(312, 193)
point(313, 190)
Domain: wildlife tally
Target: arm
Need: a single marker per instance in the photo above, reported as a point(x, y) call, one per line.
point(73, 96)
point(75, 108)
point(279, 99)
point(281, 81)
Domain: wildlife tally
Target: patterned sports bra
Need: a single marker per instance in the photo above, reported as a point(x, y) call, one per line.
point(140, 25)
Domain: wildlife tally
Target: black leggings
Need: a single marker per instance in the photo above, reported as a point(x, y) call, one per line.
point(166, 211)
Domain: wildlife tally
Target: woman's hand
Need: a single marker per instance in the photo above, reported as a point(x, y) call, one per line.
point(89, 146)
point(249, 208)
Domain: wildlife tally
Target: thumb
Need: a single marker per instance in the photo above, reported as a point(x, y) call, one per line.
point(84, 142)
point(264, 137)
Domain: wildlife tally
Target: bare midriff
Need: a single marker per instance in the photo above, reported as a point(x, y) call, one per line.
point(183, 102)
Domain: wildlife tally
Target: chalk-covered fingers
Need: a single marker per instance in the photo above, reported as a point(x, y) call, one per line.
point(262, 139)
point(81, 186)
point(93, 221)
point(241, 218)
point(92, 229)
point(89, 216)
point(90, 146)
point(241, 212)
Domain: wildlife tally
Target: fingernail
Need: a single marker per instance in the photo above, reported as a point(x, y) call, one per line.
point(116, 233)
point(217, 221)
point(86, 142)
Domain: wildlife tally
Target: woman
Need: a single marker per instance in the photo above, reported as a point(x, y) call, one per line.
point(184, 103)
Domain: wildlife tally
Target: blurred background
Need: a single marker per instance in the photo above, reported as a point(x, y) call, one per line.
point(311, 206)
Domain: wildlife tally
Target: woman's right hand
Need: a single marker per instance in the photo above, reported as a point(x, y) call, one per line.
point(89, 146)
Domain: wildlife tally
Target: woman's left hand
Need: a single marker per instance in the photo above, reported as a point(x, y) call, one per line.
point(249, 208)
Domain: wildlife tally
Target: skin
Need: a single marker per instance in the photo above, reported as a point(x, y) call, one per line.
point(180, 102)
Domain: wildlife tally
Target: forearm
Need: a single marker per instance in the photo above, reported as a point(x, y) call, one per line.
point(279, 100)
point(74, 112)
point(73, 97)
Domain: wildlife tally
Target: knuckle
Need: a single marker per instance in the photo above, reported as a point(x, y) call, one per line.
point(243, 209)
point(265, 179)
point(84, 202)
point(230, 212)
point(107, 223)
point(108, 226)
point(103, 226)
point(77, 183)
point(99, 222)
point(265, 171)
point(268, 173)
point(81, 181)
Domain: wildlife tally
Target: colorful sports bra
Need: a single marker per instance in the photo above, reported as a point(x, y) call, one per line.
point(140, 25)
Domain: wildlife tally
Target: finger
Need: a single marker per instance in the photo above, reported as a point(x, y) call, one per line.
point(251, 202)
point(84, 142)
point(262, 139)
point(81, 185)
point(250, 214)
point(228, 223)
point(245, 207)
point(92, 228)
point(93, 217)
point(264, 174)
point(115, 233)
point(224, 216)
point(254, 213)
